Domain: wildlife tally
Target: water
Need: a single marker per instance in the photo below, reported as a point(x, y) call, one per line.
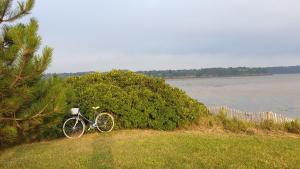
point(277, 93)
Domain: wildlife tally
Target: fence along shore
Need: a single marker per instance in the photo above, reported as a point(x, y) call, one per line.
point(256, 117)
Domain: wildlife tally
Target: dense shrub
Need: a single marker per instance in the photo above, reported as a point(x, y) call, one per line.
point(267, 124)
point(293, 126)
point(271, 125)
point(234, 125)
point(8, 135)
point(136, 101)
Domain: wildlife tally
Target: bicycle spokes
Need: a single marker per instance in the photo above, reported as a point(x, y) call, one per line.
point(105, 122)
point(73, 128)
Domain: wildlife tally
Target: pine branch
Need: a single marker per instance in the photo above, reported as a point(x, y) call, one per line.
point(23, 10)
point(39, 114)
point(27, 53)
point(5, 8)
point(19, 76)
point(16, 121)
point(42, 110)
point(10, 119)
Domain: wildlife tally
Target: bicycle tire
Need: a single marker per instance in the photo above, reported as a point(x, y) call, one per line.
point(102, 119)
point(72, 121)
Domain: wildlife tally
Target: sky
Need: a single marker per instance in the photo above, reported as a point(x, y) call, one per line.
point(100, 35)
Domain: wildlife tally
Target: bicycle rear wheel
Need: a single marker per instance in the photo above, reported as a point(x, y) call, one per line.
point(73, 128)
point(105, 122)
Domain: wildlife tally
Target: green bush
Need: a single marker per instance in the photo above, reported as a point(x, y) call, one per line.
point(267, 124)
point(136, 100)
point(234, 125)
point(270, 125)
point(8, 135)
point(293, 126)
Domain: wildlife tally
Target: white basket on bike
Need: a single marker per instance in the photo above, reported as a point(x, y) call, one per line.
point(74, 111)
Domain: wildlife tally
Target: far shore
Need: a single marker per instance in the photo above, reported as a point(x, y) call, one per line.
point(207, 77)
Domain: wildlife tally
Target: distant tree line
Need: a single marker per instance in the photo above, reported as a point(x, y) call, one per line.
point(67, 74)
point(284, 70)
point(207, 72)
point(223, 72)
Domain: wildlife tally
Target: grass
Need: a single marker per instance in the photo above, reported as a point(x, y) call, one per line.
point(138, 149)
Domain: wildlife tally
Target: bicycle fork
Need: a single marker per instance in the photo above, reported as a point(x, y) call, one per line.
point(77, 119)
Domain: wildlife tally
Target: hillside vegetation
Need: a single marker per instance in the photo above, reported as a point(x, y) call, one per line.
point(135, 100)
point(138, 149)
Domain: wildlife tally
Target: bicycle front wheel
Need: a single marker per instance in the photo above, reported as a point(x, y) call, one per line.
point(73, 127)
point(105, 122)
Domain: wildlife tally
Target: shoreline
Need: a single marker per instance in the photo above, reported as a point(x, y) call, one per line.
point(211, 77)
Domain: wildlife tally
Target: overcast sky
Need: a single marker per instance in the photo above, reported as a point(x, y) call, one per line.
point(100, 35)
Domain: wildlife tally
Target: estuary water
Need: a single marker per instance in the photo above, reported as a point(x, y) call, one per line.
point(276, 93)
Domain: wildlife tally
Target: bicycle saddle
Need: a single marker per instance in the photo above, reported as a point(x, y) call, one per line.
point(95, 108)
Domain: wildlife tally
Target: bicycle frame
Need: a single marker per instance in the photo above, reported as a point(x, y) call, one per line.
point(92, 123)
point(80, 115)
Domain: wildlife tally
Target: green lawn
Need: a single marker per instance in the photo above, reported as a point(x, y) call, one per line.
point(139, 149)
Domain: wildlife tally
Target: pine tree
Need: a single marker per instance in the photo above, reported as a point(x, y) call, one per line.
point(26, 97)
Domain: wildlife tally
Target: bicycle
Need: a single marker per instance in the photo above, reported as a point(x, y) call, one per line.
point(74, 127)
